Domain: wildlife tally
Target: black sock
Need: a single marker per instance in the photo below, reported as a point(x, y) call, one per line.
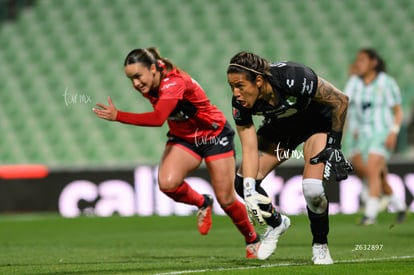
point(255, 240)
point(319, 224)
point(207, 201)
point(238, 185)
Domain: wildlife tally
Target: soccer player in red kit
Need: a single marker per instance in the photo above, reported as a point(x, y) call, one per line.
point(197, 131)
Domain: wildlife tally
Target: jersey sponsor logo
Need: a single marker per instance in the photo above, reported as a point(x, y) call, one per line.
point(290, 82)
point(167, 86)
point(306, 87)
point(282, 111)
point(288, 112)
point(183, 111)
point(166, 79)
point(236, 113)
point(178, 116)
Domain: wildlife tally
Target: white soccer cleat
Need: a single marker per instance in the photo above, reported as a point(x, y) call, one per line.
point(270, 238)
point(321, 254)
point(384, 202)
point(366, 221)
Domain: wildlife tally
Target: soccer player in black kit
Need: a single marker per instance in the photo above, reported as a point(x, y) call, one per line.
point(298, 106)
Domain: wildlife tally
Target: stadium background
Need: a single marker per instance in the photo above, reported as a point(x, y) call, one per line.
point(59, 58)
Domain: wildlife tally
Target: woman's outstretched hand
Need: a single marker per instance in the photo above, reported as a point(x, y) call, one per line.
point(108, 112)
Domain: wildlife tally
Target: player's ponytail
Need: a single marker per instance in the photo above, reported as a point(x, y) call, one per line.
point(249, 63)
point(373, 54)
point(147, 57)
point(168, 64)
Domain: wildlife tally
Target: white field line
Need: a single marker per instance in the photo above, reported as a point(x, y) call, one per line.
point(283, 264)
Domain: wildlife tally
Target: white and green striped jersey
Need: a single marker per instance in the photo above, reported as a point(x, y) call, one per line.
point(370, 106)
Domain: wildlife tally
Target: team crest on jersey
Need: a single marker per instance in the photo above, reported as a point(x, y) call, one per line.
point(236, 113)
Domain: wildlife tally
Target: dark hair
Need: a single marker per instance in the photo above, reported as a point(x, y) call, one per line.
point(373, 54)
point(249, 63)
point(147, 57)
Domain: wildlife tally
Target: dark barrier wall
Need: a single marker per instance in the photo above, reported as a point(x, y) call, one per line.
point(135, 192)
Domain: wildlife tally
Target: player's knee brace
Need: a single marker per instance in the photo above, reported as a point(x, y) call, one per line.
point(315, 195)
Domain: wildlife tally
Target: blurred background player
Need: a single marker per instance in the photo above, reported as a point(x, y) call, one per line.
point(197, 131)
point(374, 118)
point(298, 106)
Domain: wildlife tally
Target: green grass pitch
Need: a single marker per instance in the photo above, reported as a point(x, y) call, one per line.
point(49, 244)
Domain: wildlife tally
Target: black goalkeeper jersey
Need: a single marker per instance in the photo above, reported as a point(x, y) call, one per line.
point(294, 86)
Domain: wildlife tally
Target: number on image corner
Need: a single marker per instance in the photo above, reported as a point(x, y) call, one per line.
point(368, 247)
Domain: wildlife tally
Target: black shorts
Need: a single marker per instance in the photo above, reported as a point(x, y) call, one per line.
point(289, 132)
point(209, 148)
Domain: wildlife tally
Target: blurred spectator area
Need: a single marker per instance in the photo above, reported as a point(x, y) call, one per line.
point(9, 9)
point(58, 58)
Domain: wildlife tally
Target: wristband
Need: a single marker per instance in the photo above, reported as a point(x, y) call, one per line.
point(334, 139)
point(249, 184)
point(395, 129)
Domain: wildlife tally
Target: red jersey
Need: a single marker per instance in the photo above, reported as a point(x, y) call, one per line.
point(192, 117)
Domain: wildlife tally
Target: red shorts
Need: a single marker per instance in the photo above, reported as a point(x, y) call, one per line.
point(209, 147)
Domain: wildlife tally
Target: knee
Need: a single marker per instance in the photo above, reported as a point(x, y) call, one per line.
point(225, 199)
point(168, 183)
point(314, 194)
